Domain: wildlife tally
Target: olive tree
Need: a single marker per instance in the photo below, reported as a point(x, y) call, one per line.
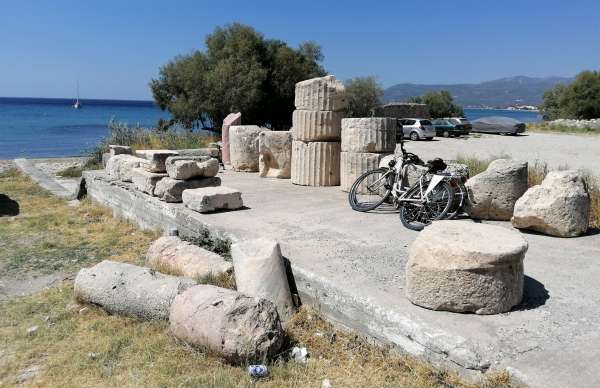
point(364, 95)
point(440, 103)
point(578, 100)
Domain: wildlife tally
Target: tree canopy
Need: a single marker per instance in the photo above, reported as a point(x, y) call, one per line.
point(578, 100)
point(441, 104)
point(240, 70)
point(364, 94)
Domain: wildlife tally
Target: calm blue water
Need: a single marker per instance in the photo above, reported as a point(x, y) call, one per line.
point(34, 127)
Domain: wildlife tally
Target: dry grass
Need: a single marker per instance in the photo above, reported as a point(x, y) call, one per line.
point(547, 127)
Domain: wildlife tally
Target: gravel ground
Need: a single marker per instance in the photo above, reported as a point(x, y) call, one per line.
point(558, 150)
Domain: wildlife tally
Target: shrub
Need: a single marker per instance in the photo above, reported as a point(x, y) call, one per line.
point(364, 95)
point(578, 100)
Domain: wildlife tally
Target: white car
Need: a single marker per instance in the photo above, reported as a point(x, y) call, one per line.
point(416, 129)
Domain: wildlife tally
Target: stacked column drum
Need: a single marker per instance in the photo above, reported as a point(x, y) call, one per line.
point(364, 142)
point(316, 132)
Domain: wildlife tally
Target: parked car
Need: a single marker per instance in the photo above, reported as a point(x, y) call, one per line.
point(462, 121)
point(416, 129)
point(499, 125)
point(447, 128)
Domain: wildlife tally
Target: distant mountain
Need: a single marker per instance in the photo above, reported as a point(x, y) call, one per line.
point(503, 92)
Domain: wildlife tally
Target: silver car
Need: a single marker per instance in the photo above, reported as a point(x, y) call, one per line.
point(416, 129)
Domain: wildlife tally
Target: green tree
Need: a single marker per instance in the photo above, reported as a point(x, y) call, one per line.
point(240, 70)
point(364, 95)
point(441, 104)
point(578, 100)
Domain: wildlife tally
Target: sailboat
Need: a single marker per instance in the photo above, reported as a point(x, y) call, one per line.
point(77, 104)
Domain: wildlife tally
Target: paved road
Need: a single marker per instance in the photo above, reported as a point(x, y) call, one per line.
point(558, 150)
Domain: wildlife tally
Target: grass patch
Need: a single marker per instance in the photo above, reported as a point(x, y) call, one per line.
point(223, 279)
point(97, 349)
point(211, 243)
point(549, 127)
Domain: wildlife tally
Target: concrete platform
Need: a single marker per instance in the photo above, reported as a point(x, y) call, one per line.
point(350, 265)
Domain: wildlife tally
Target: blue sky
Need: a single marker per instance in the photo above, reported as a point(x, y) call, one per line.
point(115, 47)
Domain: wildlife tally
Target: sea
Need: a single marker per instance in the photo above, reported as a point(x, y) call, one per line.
point(51, 127)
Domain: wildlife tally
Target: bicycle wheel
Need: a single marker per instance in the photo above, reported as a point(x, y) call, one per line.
point(416, 215)
point(371, 189)
point(458, 203)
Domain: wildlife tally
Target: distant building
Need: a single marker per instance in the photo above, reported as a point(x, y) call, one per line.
point(403, 109)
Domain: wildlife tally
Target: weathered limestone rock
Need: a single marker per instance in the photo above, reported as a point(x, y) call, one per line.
point(171, 190)
point(239, 328)
point(156, 159)
point(314, 125)
point(209, 199)
point(260, 272)
point(243, 147)
point(464, 266)
point(560, 206)
point(230, 120)
point(275, 149)
point(121, 288)
point(120, 166)
point(186, 167)
point(353, 164)
point(458, 169)
point(493, 193)
point(369, 134)
point(105, 158)
point(316, 163)
point(180, 257)
point(324, 93)
point(145, 181)
point(119, 150)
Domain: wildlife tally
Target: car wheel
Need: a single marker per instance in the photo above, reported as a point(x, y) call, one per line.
point(414, 136)
point(446, 134)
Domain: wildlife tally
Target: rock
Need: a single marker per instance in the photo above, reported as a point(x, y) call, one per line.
point(323, 93)
point(156, 159)
point(260, 272)
point(180, 257)
point(105, 157)
point(243, 147)
point(299, 354)
point(171, 190)
point(316, 163)
point(458, 169)
point(121, 288)
point(275, 149)
point(209, 199)
point(463, 266)
point(230, 120)
point(80, 188)
point(314, 125)
point(493, 193)
point(560, 206)
point(353, 165)
point(370, 134)
point(187, 167)
point(239, 328)
point(145, 181)
point(119, 166)
point(119, 150)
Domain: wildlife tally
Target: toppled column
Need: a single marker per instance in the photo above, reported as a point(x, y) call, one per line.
point(275, 148)
point(260, 272)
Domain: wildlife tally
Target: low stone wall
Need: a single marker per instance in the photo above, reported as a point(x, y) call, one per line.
point(593, 123)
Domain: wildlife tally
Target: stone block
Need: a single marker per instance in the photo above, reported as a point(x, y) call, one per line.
point(119, 150)
point(145, 181)
point(243, 147)
point(210, 199)
point(314, 125)
point(323, 93)
point(230, 120)
point(369, 134)
point(156, 159)
point(187, 167)
point(119, 167)
point(171, 190)
point(316, 163)
point(275, 149)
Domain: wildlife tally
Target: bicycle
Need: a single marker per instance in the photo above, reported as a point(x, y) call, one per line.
point(434, 195)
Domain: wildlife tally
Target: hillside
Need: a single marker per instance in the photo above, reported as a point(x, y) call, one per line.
point(502, 92)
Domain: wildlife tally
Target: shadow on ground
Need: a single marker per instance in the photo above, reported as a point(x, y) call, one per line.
point(8, 206)
point(534, 295)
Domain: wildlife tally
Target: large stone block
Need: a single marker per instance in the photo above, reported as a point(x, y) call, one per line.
point(210, 199)
point(145, 181)
point(463, 266)
point(156, 159)
point(260, 272)
point(353, 165)
point(237, 327)
point(323, 93)
point(171, 190)
point(230, 120)
point(119, 150)
point(119, 166)
point(180, 257)
point(127, 289)
point(213, 152)
point(369, 134)
point(316, 163)
point(243, 147)
point(314, 125)
point(275, 149)
point(186, 167)
point(560, 206)
point(493, 193)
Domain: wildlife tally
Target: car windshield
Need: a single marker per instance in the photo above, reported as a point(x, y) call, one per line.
point(425, 122)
